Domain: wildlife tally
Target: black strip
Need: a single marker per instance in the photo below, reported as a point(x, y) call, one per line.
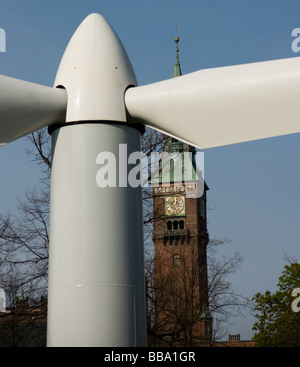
point(140, 127)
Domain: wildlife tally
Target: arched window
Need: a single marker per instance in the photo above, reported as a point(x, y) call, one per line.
point(181, 224)
point(175, 224)
point(169, 225)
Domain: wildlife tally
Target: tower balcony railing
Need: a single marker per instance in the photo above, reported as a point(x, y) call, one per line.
point(176, 232)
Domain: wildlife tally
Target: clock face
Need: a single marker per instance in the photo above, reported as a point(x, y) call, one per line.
point(175, 205)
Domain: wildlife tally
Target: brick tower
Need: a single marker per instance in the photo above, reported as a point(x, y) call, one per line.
point(180, 239)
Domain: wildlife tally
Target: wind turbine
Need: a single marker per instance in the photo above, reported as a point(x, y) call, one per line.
point(96, 263)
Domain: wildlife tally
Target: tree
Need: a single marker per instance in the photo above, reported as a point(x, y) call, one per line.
point(224, 301)
point(23, 323)
point(174, 311)
point(24, 244)
point(278, 324)
point(24, 239)
point(176, 299)
point(152, 141)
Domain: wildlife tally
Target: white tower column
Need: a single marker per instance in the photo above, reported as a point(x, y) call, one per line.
point(96, 270)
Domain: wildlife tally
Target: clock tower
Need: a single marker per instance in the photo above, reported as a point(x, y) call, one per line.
point(180, 239)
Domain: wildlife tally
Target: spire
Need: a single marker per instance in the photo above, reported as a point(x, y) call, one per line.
point(172, 144)
point(177, 69)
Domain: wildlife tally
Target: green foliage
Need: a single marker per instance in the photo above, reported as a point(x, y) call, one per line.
point(278, 325)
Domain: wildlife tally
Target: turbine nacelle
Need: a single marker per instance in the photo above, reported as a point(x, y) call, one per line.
point(96, 71)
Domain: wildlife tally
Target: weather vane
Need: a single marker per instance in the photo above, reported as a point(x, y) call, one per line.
point(176, 39)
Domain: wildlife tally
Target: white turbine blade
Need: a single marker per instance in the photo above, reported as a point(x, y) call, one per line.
point(221, 106)
point(26, 107)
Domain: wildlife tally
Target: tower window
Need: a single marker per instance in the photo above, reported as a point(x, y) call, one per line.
point(175, 224)
point(176, 260)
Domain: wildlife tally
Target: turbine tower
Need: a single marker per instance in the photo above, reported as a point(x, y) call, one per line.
point(96, 265)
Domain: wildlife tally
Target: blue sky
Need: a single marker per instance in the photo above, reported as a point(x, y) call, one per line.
point(254, 195)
